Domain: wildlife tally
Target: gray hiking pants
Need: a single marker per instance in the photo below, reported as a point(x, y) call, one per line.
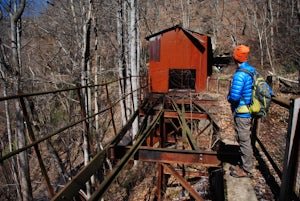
point(242, 128)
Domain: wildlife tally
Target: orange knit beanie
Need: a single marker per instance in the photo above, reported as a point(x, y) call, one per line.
point(241, 53)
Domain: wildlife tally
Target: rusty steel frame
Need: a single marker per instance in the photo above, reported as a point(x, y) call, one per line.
point(183, 182)
point(174, 114)
point(187, 134)
point(169, 155)
point(166, 156)
point(163, 156)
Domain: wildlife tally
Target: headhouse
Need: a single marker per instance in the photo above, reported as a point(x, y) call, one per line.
point(179, 59)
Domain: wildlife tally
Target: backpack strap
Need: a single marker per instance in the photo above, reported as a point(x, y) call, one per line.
point(246, 71)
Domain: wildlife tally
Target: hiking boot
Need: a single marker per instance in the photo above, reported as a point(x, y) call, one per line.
point(234, 168)
point(239, 172)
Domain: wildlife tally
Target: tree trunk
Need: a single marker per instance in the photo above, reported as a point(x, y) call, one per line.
point(10, 142)
point(15, 11)
point(23, 157)
point(185, 10)
point(121, 20)
point(84, 82)
point(96, 81)
point(133, 62)
point(270, 48)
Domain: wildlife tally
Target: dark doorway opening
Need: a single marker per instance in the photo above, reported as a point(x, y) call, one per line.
point(182, 78)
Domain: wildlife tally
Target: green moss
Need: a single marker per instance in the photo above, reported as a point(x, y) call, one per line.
point(58, 115)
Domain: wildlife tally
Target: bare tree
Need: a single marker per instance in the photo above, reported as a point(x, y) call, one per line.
point(15, 9)
point(133, 60)
point(185, 10)
point(121, 37)
point(3, 71)
point(85, 80)
point(287, 45)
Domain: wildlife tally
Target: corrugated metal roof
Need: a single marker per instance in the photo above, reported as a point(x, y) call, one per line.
point(190, 34)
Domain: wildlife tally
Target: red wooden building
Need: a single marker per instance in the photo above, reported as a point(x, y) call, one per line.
point(179, 59)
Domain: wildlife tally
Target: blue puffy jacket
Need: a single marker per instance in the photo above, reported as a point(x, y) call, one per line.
point(241, 90)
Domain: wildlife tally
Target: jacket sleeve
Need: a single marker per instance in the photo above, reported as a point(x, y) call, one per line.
point(271, 91)
point(235, 92)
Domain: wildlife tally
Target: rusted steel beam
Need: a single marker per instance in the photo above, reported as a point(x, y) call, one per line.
point(185, 101)
point(187, 115)
point(215, 125)
point(183, 182)
point(78, 182)
point(162, 129)
point(186, 128)
point(203, 129)
point(110, 110)
point(61, 90)
point(206, 102)
point(160, 181)
point(167, 155)
point(170, 139)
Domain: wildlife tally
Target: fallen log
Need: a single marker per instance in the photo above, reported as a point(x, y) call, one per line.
point(287, 85)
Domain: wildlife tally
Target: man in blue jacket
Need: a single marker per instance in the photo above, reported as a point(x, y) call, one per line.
point(239, 97)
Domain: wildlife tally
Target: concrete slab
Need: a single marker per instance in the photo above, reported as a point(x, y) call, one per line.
point(237, 189)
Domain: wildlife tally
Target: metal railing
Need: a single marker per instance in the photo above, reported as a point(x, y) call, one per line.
point(278, 155)
point(108, 99)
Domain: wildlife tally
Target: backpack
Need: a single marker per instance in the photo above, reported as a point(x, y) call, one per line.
point(261, 94)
